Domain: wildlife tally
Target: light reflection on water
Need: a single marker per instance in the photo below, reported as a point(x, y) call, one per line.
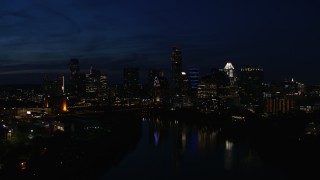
point(228, 155)
point(169, 149)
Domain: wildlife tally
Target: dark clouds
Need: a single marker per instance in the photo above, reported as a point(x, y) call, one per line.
point(39, 36)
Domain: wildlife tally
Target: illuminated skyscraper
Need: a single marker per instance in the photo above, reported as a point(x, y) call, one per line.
point(176, 69)
point(96, 86)
point(193, 75)
point(93, 83)
point(229, 69)
point(103, 87)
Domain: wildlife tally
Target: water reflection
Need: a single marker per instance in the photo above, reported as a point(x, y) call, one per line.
point(23, 165)
point(228, 158)
point(196, 139)
point(150, 147)
point(9, 135)
point(192, 142)
point(156, 138)
point(170, 149)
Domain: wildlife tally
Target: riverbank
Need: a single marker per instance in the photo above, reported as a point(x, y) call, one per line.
point(78, 145)
point(81, 148)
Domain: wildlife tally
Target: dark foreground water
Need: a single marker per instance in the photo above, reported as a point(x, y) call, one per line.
point(125, 146)
point(171, 149)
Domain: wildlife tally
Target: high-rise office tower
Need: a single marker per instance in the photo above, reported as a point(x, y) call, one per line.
point(74, 67)
point(185, 86)
point(157, 84)
point(250, 86)
point(222, 81)
point(229, 69)
point(153, 82)
point(152, 73)
point(131, 81)
point(104, 86)
point(96, 85)
point(93, 83)
point(77, 80)
point(176, 69)
point(193, 78)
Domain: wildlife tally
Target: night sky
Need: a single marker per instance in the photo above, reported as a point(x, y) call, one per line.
point(39, 37)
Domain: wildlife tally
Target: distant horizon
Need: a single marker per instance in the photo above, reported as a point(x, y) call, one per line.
point(37, 78)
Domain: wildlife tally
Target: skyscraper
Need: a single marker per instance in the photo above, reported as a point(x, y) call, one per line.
point(193, 78)
point(250, 87)
point(153, 81)
point(96, 86)
point(75, 76)
point(74, 68)
point(176, 69)
point(157, 84)
point(93, 83)
point(152, 73)
point(229, 69)
point(131, 84)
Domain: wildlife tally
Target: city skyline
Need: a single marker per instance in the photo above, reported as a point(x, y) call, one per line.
point(39, 37)
point(143, 77)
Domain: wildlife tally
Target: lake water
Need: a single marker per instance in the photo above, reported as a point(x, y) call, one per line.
point(170, 149)
point(125, 146)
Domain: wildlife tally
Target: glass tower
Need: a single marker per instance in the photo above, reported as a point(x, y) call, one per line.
point(176, 69)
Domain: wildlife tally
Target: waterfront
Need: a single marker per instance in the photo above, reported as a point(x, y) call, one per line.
point(148, 146)
point(67, 147)
point(175, 149)
point(172, 149)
